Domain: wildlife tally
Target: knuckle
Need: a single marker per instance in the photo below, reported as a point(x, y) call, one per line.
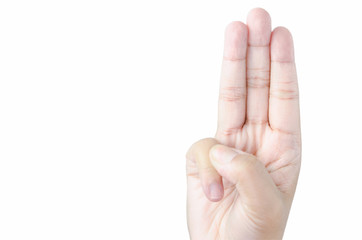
point(257, 78)
point(199, 151)
point(232, 94)
point(207, 170)
point(199, 144)
point(285, 91)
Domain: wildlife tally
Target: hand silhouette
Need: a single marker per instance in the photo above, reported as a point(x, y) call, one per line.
point(241, 183)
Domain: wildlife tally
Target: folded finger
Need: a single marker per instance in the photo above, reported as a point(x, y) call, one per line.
point(211, 181)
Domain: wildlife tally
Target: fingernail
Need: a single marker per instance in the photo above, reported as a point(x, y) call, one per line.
point(215, 191)
point(222, 154)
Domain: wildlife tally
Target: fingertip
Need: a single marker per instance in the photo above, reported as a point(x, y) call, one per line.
point(282, 30)
point(200, 146)
point(258, 16)
point(258, 10)
point(282, 48)
point(259, 25)
point(235, 27)
point(236, 35)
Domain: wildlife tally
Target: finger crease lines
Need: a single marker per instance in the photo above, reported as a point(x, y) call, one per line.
point(276, 83)
point(283, 131)
point(232, 94)
point(258, 69)
point(293, 97)
point(282, 62)
point(258, 46)
point(230, 131)
point(289, 164)
point(257, 78)
point(283, 94)
point(252, 84)
point(233, 59)
point(256, 121)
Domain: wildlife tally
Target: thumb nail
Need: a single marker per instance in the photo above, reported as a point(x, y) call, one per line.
point(222, 154)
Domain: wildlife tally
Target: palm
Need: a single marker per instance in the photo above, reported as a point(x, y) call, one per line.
point(277, 150)
point(258, 114)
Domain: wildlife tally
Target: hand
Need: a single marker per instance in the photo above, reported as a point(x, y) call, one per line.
point(241, 184)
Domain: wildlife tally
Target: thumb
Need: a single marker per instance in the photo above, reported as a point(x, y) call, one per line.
point(251, 179)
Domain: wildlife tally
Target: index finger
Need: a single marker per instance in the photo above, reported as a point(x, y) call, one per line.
point(232, 93)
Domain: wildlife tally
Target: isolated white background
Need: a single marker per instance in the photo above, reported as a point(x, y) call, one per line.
point(99, 101)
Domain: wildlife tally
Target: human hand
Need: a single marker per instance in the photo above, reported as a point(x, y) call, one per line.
point(241, 184)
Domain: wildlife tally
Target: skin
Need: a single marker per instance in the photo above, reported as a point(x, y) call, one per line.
point(241, 184)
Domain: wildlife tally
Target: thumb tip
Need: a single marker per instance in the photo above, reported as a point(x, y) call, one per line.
point(222, 154)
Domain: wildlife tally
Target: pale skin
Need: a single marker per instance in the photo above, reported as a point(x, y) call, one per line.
point(241, 184)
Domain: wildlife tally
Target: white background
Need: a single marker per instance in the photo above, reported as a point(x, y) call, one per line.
point(99, 101)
